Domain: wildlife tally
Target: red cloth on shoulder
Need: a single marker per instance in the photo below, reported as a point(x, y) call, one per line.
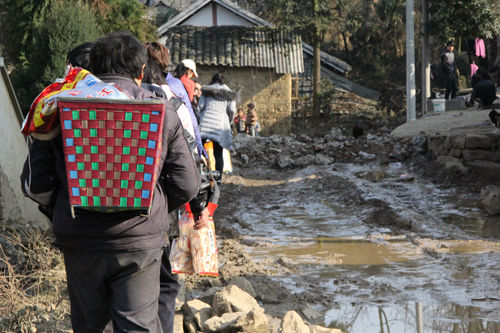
point(189, 85)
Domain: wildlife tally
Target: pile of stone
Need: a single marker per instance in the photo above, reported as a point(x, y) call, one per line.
point(299, 151)
point(233, 308)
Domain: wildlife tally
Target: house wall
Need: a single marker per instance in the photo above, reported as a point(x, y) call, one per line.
point(15, 209)
point(204, 18)
point(270, 92)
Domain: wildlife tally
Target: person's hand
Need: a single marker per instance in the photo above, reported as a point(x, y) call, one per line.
point(201, 219)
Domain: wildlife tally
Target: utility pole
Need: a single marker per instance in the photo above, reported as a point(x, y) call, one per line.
point(316, 61)
point(426, 69)
point(410, 62)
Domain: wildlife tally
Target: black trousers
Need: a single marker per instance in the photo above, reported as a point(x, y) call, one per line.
point(169, 287)
point(219, 158)
point(114, 292)
point(451, 86)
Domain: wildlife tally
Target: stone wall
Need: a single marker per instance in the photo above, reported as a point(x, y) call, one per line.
point(270, 92)
point(480, 152)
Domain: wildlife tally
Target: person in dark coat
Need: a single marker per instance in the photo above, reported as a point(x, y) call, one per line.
point(450, 70)
point(483, 90)
point(113, 260)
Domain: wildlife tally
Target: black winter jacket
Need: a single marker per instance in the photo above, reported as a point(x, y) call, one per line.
point(124, 231)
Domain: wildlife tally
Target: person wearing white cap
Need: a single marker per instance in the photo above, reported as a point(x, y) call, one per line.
point(183, 87)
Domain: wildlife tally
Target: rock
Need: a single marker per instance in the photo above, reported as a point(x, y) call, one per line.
point(208, 295)
point(485, 169)
point(252, 322)
point(178, 322)
point(284, 161)
point(243, 284)
point(311, 314)
point(452, 164)
point(223, 323)
point(419, 143)
point(322, 159)
point(293, 323)
point(366, 156)
point(244, 158)
point(490, 199)
point(478, 141)
point(199, 310)
point(269, 299)
point(233, 299)
point(321, 329)
point(335, 133)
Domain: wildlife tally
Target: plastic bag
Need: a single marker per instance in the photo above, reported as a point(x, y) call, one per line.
point(180, 251)
point(204, 250)
point(194, 251)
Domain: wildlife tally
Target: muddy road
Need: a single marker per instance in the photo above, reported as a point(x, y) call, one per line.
point(351, 234)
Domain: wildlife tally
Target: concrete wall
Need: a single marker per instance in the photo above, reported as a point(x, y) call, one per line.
point(270, 92)
point(14, 207)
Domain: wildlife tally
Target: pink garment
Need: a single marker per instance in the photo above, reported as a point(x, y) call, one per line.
point(473, 69)
point(480, 48)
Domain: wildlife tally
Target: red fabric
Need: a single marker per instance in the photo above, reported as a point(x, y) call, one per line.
point(189, 85)
point(211, 208)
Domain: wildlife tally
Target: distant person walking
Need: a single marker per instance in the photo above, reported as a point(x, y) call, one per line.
point(450, 70)
point(252, 121)
point(217, 105)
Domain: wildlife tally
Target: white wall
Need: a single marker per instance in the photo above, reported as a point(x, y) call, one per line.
point(15, 208)
point(203, 18)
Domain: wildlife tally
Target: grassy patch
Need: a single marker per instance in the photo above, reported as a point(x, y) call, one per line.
point(33, 294)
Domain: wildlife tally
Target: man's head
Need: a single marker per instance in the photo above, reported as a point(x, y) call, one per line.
point(450, 46)
point(118, 53)
point(250, 106)
point(79, 56)
point(159, 53)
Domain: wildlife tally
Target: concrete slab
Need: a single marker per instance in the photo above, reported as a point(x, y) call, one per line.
point(472, 120)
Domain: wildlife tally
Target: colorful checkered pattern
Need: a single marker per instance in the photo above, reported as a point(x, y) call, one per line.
point(112, 151)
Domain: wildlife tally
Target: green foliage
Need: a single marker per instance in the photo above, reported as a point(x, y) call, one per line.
point(62, 28)
point(18, 20)
point(464, 18)
point(124, 15)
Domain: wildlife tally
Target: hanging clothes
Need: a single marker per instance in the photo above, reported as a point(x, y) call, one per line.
point(480, 48)
point(473, 69)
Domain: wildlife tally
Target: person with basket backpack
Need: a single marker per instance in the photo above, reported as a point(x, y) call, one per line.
point(113, 259)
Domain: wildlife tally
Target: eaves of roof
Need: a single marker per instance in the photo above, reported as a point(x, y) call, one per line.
point(237, 46)
point(334, 62)
point(196, 6)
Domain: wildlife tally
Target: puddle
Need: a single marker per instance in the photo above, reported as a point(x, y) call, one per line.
point(435, 319)
point(442, 261)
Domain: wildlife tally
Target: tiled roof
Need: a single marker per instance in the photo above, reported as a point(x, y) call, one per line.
point(236, 46)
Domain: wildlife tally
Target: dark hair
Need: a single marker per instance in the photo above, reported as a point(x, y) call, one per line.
point(251, 106)
point(79, 56)
point(218, 78)
point(180, 70)
point(118, 53)
point(153, 73)
point(159, 53)
point(483, 73)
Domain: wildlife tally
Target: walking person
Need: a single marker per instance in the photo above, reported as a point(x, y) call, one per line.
point(218, 106)
point(113, 260)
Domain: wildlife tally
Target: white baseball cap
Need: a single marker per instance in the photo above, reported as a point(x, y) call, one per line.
point(191, 65)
